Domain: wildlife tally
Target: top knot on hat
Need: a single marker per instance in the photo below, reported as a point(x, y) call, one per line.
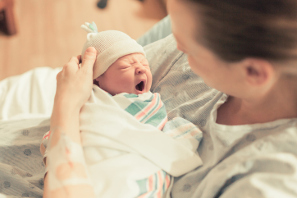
point(110, 46)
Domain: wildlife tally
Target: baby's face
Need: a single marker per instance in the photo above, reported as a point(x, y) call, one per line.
point(130, 74)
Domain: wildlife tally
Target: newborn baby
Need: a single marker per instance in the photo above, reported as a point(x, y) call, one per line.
point(121, 65)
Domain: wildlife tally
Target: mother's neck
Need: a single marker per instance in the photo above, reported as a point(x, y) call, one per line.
point(279, 103)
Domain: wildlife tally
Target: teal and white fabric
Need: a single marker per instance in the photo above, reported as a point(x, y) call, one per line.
point(125, 149)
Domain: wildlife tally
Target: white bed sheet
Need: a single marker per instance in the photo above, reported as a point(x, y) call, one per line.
point(29, 95)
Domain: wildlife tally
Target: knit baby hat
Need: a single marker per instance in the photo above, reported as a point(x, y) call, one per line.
point(110, 46)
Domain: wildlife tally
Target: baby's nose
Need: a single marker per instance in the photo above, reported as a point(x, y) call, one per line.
point(140, 69)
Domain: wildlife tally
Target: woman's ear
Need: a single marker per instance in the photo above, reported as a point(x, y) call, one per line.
point(258, 72)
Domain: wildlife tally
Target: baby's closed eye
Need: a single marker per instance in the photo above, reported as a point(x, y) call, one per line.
point(126, 66)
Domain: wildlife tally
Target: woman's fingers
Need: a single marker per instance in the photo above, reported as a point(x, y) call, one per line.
point(89, 59)
point(72, 66)
point(74, 59)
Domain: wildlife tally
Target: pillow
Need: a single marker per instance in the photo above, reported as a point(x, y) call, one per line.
point(183, 92)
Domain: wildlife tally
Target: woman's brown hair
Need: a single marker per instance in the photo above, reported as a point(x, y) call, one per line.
point(236, 29)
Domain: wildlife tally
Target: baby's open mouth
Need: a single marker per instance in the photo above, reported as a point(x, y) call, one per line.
point(140, 86)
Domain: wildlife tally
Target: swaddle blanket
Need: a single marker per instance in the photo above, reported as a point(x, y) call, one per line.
point(126, 153)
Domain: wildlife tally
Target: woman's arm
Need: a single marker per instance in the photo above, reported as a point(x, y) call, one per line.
point(67, 175)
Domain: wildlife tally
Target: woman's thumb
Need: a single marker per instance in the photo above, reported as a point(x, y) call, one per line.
point(89, 58)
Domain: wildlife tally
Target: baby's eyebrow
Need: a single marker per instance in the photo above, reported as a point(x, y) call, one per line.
point(126, 61)
point(139, 60)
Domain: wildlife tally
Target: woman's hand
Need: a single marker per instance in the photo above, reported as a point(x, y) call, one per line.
point(74, 83)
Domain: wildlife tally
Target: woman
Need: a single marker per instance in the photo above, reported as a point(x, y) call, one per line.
point(247, 50)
